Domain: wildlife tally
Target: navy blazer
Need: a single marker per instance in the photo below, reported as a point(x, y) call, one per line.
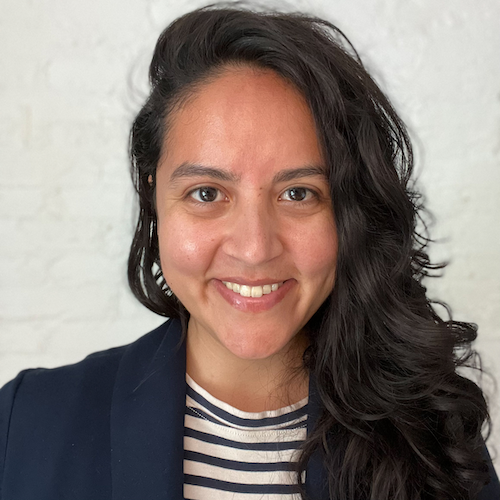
point(111, 427)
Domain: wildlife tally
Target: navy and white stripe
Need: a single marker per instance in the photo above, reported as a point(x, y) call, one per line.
point(232, 454)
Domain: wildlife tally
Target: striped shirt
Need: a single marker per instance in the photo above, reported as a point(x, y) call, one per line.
point(237, 455)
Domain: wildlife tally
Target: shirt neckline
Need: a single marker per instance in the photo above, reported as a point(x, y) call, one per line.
point(245, 414)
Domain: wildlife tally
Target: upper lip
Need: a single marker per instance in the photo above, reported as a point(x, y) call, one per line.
point(249, 282)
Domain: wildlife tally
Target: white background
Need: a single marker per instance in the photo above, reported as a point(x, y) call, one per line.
point(72, 76)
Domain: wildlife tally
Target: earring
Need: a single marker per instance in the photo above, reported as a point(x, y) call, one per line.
point(166, 288)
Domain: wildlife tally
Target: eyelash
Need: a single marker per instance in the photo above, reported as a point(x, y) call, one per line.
point(197, 190)
point(309, 191)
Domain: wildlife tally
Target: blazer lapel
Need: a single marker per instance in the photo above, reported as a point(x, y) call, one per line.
point(147, 418)
point(316, 477)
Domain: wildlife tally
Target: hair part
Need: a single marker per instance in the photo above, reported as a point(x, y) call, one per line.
point(398, 421)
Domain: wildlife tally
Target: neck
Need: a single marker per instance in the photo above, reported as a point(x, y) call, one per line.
point(252, 385)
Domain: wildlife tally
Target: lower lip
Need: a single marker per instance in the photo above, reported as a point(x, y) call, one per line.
point(254, 304)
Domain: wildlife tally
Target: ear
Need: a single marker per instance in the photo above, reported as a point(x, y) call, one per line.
point(150, 180)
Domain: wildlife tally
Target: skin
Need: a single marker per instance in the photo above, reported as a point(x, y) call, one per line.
point(253, 126)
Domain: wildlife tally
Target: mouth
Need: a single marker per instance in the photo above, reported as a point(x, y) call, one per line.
point(253, 291)
point(253, 298)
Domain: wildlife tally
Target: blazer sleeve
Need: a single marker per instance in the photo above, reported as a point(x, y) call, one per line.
point(7, 396)
point(492, 490)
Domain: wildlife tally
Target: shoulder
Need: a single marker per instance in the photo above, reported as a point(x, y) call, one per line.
point(93, 376)
point(43, 397)
point(491, 490)
point(59, 419)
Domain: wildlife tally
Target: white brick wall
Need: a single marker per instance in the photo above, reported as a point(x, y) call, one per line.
point(72, 75)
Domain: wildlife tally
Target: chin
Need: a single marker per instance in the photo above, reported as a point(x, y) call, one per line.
point(255, 348)
point(254, 354)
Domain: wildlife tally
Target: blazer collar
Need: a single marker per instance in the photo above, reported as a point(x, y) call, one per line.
point(147, 420)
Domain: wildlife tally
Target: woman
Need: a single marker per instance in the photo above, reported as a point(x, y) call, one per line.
point(277, 231)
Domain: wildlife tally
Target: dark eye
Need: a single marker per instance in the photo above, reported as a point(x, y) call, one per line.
point(296, 194)
point(205, 194)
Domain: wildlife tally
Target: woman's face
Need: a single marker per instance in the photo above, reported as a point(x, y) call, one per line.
point(243, 202)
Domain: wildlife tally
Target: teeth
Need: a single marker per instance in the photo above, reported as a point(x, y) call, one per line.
point(252, 291)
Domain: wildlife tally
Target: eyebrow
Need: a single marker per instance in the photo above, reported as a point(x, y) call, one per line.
point(187, 169)
point(194, 170)
point(296, 173)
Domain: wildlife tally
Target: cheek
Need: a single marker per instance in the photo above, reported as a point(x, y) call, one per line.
point(315, 250)
point(185, 249)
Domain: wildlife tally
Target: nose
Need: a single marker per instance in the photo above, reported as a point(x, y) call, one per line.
point(253, 236)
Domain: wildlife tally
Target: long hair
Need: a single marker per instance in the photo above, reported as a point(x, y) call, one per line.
point(399, 422)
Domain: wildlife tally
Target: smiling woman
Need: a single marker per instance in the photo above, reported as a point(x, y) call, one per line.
point(277, 232)
point(256, 218)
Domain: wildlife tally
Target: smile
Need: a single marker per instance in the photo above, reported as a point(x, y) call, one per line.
point(253, 298)
point(252, 291)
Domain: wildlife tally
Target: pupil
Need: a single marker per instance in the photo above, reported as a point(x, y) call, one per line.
point(208, 193)
point(297, 194)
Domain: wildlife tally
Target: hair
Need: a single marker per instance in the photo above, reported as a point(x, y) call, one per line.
point(398, 422)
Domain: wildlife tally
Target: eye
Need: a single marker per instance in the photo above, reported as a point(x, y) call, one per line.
point(205, 194)
point(297, 194)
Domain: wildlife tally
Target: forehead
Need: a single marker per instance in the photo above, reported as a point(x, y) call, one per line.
point(242, 118)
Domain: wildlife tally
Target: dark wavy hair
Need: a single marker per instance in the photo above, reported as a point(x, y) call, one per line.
point(399, 422)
